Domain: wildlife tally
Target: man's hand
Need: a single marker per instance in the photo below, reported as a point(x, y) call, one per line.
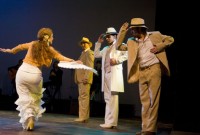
point(113, 62)
point(123, 47)
point(125, 26)
point(154, 49)
point(85, 81)
point(100, 39)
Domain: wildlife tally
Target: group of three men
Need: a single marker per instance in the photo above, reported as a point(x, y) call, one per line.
point(145, 52)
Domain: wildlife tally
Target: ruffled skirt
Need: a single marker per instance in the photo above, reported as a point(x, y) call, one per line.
point(29, 89)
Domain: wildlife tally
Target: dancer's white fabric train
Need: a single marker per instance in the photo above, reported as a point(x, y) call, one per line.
point(75, 65)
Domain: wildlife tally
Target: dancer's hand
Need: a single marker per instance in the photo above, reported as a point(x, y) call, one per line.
point(124, 26)
point(85, 81)
point(5, 50)
point(100, 39)
point(78, 61)
point(113, 62)
point(154, 49)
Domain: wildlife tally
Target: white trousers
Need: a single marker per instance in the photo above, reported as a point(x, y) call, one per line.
point(29, 89)
point(112, 102)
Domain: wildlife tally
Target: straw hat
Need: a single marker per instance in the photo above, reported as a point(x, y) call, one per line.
point(137, 22)
point(85, 40)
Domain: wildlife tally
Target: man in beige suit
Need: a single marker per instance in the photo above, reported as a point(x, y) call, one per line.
point(84, 80)
point(147, 61)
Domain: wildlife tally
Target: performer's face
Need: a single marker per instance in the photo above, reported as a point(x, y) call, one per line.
point(138, 32)
point(51, 39)
point(84, 46)
point(110, 39)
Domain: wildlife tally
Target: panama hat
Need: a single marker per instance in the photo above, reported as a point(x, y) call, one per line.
point(111, 31)
point(137, 22)
point(85, 40)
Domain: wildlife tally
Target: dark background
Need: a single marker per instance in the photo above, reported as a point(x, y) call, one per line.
point(70, 21)
point(181, 91)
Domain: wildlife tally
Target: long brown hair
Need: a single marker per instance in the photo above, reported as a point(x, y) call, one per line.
point(41, 48)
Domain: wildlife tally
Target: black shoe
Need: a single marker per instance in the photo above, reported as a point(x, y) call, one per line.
point(146, 133)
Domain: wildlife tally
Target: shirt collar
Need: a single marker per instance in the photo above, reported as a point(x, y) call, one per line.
point(86, 50)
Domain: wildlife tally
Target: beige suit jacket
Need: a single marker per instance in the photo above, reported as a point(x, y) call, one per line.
point(157, 39)
point(80, 74)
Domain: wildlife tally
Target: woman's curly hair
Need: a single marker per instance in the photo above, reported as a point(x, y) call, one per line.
point(41, 48)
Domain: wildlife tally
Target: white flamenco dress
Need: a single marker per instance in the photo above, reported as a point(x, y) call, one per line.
point(29, 88)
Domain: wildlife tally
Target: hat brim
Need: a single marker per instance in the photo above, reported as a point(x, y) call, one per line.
point(90, 43)
point(135, 26)
point(111, 33)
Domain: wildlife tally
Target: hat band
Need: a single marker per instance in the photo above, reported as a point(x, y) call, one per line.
point(84, 42)
point(137, 25)
point(110, 33)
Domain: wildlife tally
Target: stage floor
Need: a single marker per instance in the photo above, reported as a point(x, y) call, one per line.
point(61, 124)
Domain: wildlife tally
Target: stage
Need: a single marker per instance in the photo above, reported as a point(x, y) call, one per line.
point(63, 124)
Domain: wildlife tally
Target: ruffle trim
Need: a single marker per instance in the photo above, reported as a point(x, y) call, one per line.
point(31, 106)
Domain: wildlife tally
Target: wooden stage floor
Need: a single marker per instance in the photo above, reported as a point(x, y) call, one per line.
point(63, 124)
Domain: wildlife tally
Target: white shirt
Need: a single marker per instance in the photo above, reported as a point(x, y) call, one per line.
point(146, 58)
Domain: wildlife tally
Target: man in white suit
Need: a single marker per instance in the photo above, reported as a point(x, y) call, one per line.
point(112, 75)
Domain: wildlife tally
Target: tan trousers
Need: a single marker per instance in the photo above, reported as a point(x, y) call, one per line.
point(84, 100)
point(150, 86)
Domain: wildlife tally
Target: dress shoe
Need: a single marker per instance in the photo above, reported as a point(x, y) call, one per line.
point(30, 124)
point(81, 120)
point(146, 133)
point(107, 126)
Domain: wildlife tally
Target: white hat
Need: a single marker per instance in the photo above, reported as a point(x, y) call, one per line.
point(111, 31)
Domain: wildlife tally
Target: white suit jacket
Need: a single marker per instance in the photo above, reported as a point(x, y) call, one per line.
point(117, 81)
